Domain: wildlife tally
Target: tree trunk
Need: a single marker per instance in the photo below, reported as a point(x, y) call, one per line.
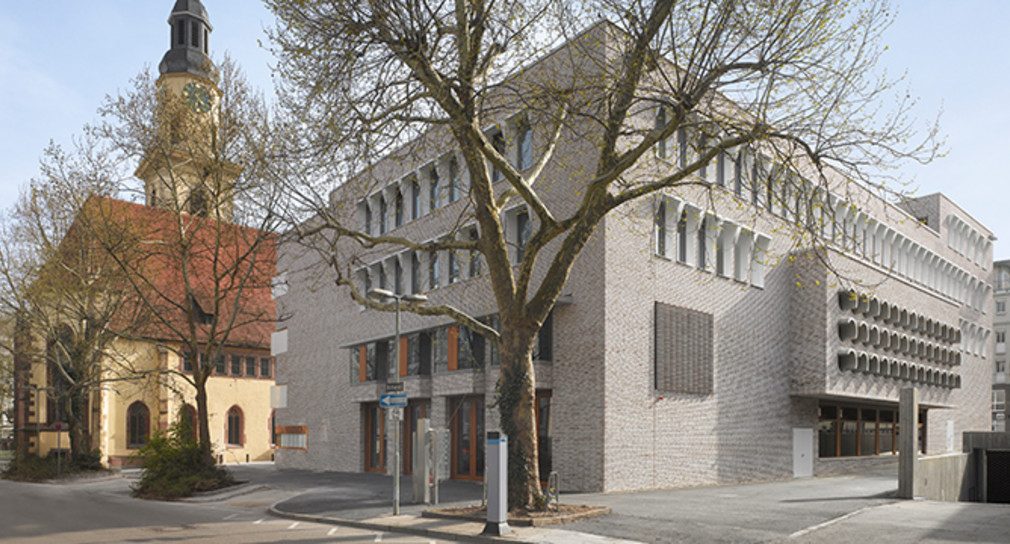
point(516, 398)
point(74, 426)
point(201, 415)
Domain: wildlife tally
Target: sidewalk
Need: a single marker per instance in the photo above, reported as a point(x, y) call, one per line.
point(848, 508)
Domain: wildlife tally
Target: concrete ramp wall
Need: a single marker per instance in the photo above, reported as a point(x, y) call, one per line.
point(944, 477)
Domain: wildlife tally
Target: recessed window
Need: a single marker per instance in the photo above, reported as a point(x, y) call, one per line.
point(415, 273)
point(453, 267)
point(433, 189)
point(250, 367)
point(219, 366)
point(682, 238)
point(524, 146)
point(498, 143)
point(660, 229)
point(138, 425)
point(235, 426)
point(382, 214)
point(433, 270)
point(415, 199)
point(236, 365)
point(523, 232)
point(266, 367)
point(397, 276)
point(454, 183)
point(660, 123)
point(475, 256)
point(1001, 306)
point(194, 34)
point(398, 208)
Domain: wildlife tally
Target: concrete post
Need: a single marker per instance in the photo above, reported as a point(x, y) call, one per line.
point(420, 462)
point(908, 443)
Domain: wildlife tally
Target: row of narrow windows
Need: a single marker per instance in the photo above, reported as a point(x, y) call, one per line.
point(440, 183)
point(235, 365)
point(435, 351)
point(967, 241)
point(416, 272)
point(138, 424)
point(750, 175)
point(709, 243)
point(196, 32)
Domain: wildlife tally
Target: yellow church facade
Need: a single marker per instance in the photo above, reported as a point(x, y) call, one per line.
point(127, 408)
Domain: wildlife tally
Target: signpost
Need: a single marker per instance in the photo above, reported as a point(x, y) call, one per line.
point(393, 400)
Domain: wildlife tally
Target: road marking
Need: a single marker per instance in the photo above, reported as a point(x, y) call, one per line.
point(828, 523)
point(230, 516)
point(257, 522)
point(332, 531)
point(378, 537)
point(293, 525)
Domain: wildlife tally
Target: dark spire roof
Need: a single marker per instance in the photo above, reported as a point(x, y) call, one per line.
point(189, 37)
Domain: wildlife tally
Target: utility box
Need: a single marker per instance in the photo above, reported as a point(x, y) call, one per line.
point(497, 484)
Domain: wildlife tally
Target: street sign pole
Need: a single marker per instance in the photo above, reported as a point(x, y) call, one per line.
point(399, 422)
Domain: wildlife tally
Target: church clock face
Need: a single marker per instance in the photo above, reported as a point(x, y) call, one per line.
point(197, 97)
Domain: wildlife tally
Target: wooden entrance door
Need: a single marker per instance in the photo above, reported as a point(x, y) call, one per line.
point(467, 430)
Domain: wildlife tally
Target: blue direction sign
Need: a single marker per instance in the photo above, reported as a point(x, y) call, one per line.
point(390, 400)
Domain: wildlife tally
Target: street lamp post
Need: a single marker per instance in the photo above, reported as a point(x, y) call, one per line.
point(385, 295)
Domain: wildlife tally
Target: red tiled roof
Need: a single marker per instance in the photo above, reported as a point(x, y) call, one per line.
point(228, 269)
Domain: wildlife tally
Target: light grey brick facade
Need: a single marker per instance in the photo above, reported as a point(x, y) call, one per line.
point(775, 337)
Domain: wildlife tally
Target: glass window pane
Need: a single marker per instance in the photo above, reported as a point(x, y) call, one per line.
point(868, 439)
point(827, 437)
point(848, 439)
point(886, 434)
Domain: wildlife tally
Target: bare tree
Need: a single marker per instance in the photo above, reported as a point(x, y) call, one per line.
point(62, 289)
point(789, 79)
point(207, 230)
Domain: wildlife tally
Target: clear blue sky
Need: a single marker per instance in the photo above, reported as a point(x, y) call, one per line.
point(60, 58)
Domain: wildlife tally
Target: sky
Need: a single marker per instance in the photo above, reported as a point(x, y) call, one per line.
point(59, 59)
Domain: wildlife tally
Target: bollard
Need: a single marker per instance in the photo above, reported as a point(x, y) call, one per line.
point(497, 484)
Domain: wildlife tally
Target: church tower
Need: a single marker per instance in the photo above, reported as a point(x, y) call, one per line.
point(183, 169)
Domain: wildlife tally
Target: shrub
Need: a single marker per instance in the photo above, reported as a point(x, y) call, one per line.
point(173, 467)
point(31, 468)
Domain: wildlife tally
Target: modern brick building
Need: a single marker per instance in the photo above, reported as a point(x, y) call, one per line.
point(698, 340)
point(1000, 326)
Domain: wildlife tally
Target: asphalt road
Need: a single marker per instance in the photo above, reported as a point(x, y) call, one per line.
point(103, 512)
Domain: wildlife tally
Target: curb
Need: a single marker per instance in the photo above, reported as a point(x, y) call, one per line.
point(598, 511)
point(392, 528)
point(224, 494)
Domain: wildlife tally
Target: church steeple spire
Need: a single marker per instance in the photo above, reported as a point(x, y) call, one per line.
point(189, 48)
